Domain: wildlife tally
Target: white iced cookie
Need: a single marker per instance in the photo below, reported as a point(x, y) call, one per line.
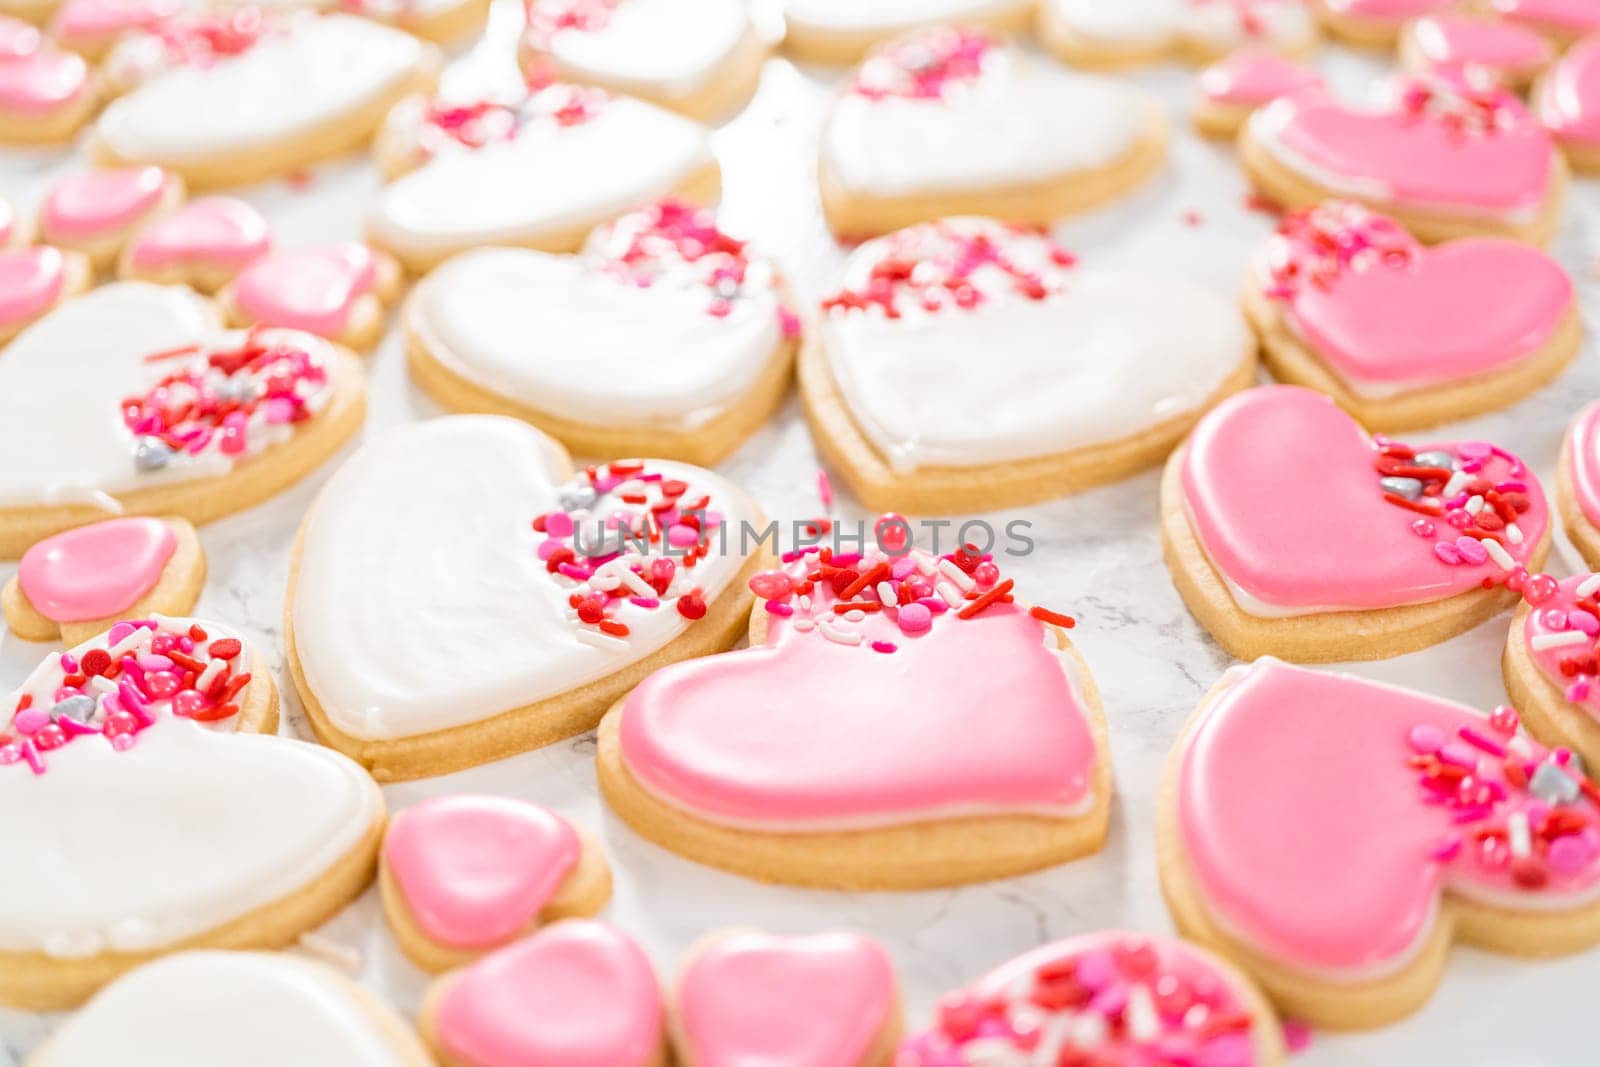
point(540, 173)
point(280, 92)
point(1113, 33)
point(841, 31)
point(663, 337)
point(489, 612)
point(701, 58)
point(965, 365)
point(953, 121)
point(245, 1009)
point(150, 809)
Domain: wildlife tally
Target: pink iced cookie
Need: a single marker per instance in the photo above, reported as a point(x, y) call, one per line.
point(1444, 155)
point(1454, 40)
point(45, 93)
point(1578, 484)
point(32, 281)
point(1234, 86)
point(1374, 22)
point(750, 998)
point(465, 874)
point(1568, 103)
point(577, 994)
point(203, 244)
point(1346, 301)
point(1135, 1000)
point(96, 211)
point(92, 26)
point(1413, 818)
point(1562, 20)
point(18, 39)
point(336, 291)
point(1290, 532)
point(686, 762)
point(1550, 665)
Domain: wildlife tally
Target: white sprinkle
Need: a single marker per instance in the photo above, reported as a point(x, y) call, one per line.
point(604, 581)
point(140, 638)
point(634, 582)
point(1518, 834)
point(1458, 481)
point(950, 593)
point(1143, 1024)
point(990, 1052)
point(1513, 533)
point(1474, 504)
point(1498, 553)
point(886, 594)
point(805, 602)
point(1518, 743)
point(843, 637)
point(924, 562)
point(213, 671)
point(1090, 1030)
point(854, 615)
point(1588, 586)
point(804, 625)
point(106, 685)
point(600, 640)
point(1540, 642)
point(957, 575)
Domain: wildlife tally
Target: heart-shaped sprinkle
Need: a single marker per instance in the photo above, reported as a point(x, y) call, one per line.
point(475, 870)
point(97, 570)
point(311, 289)
point(216, 231)
point(576, 994)
point(94, 203)
point(31, 280)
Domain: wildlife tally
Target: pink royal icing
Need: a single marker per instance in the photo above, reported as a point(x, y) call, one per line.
point(1448, 39)
point(1573, 16)
point(214, 230)
point(1387, 10)
point(1439, 144)
point(96, 571)
point(1560, 631)
point(575, 994)
point(1322, 815)
point(94, 203)
point(475, 870)
point(1568, 101)
point(1385, 311)
point(1583, 457)
point(1251, 77)
point(311, 289)
point(81, 19)
point(41, 81)
point(909, 712)
point(751, 998)
point(18, 38)
point(1300, 510)
point(30, 282)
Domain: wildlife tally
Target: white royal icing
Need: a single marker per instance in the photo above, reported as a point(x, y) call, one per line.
point(1021, 120)
point(1108, 355)
point(311, 76)
point(548, 179)
point(672, 47)
point(557, 333)
point(1215, 24)
point(63, 380)
point(421, 602)
point(245, 1009)
point(888, 16)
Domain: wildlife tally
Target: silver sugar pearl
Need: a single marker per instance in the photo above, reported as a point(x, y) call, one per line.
point(1410, 488)
point(79, 707)
point(727, 288)
point(1553, 785)
point(1438, 460)
point(578, 498)
point(151, 454)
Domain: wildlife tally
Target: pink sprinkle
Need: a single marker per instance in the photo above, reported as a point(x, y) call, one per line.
point(1553, 619)
point(1578, 692)
point(824, 489)
point(1446, 552)
point(1447, 850)
point(846, 559)
point(788, 322)
point(649, 603)
point(681, 536)
point(1426, 739)
point(1423, 528)
point(1569, 854)
point(576, 573)
point(31, 754)
point(1296, 1035)
point(883, 646)
point(30, 721)
point(558, 524)
point(1583, 620)
point(548, 546)
point(1471, 550)
point(775, 608)
point(69, 663)
point(914, 618)
point(901, 568)
point(118, 632)
point(1477, 740)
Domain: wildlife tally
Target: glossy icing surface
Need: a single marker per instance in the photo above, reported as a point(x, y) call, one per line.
point(87, 20)
point(1568, 101)
point(214, 231)
point(311, 289)
point(1253, 76)
point(95, 571)
point(41, 81)
point(31, 280)
point(1449, 38)
point(95, 203)
point(1583, 454)
point(1573, 16)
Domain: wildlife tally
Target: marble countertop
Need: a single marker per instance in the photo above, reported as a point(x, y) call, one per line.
point(1098, 556)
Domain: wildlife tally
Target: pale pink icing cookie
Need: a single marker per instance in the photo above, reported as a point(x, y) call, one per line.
point(205, 243)
point(750, 998)
point(335, 291)
point(1568, 103)
point(1349, 302)
point(97, 570)
point(91, 26)
point(1410, 815)
point(685, 761)
point(576, 994)
point(45, 93)
point(1106, 998)
point(1242, 81)
point(1453, 40)
point(32, 281)
point(1446, 155)
point(96, 210)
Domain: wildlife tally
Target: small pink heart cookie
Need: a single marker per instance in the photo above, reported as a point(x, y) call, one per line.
point(335, 291)
point(926, 128)
point(578, 993)
point(828, 1000)
point(1114, 997)
point(77, 583)
point(34, 281)
point(1563, 21)
point(985, 721)
point(46, 93)
point(96, 212)
point(1567, 101)
point(1290, 532)
point(463, 875)
point(1374, 23)
point(1231, 89)
point(91, 27)
point(1415, 821)
point(1448, 155)
point(1578, 484)
point(203, 244)
point(1117, 33)
point(1550, 665)
point(1452, 40)
point(1347, 302)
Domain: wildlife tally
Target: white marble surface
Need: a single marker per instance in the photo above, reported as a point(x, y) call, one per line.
point(1098, 556)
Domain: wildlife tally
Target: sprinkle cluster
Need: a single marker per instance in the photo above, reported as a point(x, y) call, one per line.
point(678, 244)
point(1469, 517)
point(472, 124)
point(476, 123)
point(957, 263)
point(1461, 103)
point(116, 689)
point(1314, 246)
point(926, 66)
point(1530, 817)
point(1562, 636)
point(192, 38)
point(1120, 1005)
point(546, 18)
point(626, 536)
point(224, 401)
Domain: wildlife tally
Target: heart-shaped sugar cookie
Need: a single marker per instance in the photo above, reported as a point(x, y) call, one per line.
point(1445, 155)
point(1568, 104)
point(203, 244)
point(1114, 33)
point(664, 337)
point(130, 399)
point(1578, 484)
point(96, 211)
point(1450, 40)
point(46, 93)
point(462, 875)
point(1111, 997)
point(1550, 665)
point(1416, 821)
point(1403, 335)
point(538, 174)
point(336, 291)
point(839, 31)
point(248, 1009)
point(967, 365)
point(1290, 532)
point(812, 792)
point(493, 553)
point(34, 280)
point(953, 121)
point(222, 835)
point(1230, 90)
point(576, 994)
point(827, 1000)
